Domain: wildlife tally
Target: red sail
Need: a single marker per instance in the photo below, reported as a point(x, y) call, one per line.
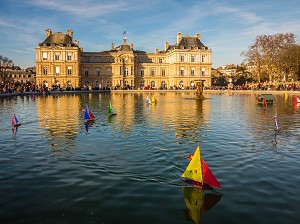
point(91, 115)
point(208, 176)
point(13, 120)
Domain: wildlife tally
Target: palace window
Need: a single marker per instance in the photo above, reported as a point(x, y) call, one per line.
point(152, 72)
point(181, 58)
point(126, 72)
point(57, 70)
point(45, 57)
point(163, 72)
point(192, 58)
point(108, 71)
point(86, 71)
point(160, 60)
point(182, 71)
point(193, 71)
point(142, 73)
point(97, 71)
point(45, 70)
point(97, 59)
point(203, 71)
point(203, 58)
point(87, 59)
point(69, 70)
point(56, 57)
point(69, 57)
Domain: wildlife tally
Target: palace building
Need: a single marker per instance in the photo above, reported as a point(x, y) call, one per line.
point(60, 61)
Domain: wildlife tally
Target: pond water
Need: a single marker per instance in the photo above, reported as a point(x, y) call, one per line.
point(127, 168)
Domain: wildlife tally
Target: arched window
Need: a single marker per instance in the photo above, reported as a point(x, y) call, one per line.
point(163, 85)
point(152, 84)
point(192, 84)
point(181, 84)
point(142, 83)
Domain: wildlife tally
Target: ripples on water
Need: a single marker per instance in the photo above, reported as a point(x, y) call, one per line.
point(127, 168)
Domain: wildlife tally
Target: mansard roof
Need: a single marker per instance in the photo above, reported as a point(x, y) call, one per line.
point(188, 42)
point(58, 39)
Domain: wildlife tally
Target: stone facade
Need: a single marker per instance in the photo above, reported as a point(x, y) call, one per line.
point(60, 60)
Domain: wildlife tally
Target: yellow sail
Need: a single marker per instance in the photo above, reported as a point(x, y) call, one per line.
point(194, 169)
point(153, 100)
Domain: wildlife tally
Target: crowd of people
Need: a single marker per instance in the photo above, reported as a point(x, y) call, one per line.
point(31, 87)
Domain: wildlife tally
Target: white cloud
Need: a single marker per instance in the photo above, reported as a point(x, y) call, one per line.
point(90, 8)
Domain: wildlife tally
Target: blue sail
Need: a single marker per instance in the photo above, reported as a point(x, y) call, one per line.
point(16, 119)
point(86, 113)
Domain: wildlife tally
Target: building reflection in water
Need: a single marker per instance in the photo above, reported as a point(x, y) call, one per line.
point(175, 112)
point(59, 115)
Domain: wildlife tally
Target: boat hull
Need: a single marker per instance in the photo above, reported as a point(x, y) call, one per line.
point(198, 184)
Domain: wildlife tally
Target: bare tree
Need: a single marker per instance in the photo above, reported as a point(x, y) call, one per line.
point(5, 63)
point(267, 53)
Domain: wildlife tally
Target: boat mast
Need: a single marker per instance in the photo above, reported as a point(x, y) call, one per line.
point(202, 179)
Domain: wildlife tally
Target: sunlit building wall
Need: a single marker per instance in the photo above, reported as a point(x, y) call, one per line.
point(60, 60)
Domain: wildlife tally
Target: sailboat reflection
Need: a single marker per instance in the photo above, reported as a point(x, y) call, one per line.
point(88, 125)
point(198, 201)
point(14, 131)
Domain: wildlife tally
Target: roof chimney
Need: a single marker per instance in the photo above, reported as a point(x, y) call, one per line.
point(112, 46)
point(179, 37)
point(197, 35)
point(70, 33)
point(166, 45)
point(48, 32)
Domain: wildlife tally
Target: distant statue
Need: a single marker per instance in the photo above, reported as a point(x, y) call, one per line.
point(199, 93)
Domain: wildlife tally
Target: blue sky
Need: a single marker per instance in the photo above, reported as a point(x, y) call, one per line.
point(227, 27)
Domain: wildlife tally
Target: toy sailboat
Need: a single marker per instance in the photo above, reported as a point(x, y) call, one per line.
point(153, 100)
point(148, 101)
point(14, 120)
point(111, 110)
point(296, 99)
point(198, 173)
point(88, 116)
